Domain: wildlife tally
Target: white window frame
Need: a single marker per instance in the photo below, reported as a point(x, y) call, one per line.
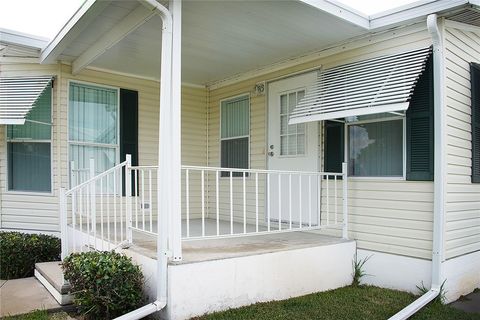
point(7, 141)
point(92, 144)
point(243, 95)
point(404, 147)
point(305, 151)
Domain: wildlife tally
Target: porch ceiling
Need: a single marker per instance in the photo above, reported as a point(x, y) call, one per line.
point(219, 39)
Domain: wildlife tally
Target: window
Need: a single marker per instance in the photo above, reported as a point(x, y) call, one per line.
point(29, 148)
point(375, 148)
point(93, 126)
point(234, 133)
point(292, 137)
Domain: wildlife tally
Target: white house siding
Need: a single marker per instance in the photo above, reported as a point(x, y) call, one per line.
point(463, 197)
point(39, 212)
point(385, 215)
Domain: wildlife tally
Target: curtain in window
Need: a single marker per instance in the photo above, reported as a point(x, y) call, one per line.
point(28, 148)
point(235, 129)
point(376, 149)
point(93, 114)
point(93, 126)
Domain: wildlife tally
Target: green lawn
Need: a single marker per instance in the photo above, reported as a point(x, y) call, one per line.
point(39, 315)
point(363, 302)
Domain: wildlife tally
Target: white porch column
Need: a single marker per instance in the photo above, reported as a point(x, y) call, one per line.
point(175, 7)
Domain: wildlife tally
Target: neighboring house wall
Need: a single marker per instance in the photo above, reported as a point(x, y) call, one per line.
point(385, 215)
point(39, 212)
point(462, 46)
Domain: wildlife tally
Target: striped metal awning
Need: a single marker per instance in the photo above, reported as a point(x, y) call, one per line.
point(18, 95)
point(378, 85)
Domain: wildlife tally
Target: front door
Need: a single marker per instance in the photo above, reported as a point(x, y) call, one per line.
point(292, 148)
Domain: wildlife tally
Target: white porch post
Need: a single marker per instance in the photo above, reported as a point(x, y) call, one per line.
point(175, 240)
point(345, 200)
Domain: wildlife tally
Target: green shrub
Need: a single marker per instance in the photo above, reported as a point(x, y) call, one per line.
point(104, 285)
point(20, 251)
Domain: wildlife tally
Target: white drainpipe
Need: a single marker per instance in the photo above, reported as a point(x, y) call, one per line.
point(164, 175)
point(440, 174)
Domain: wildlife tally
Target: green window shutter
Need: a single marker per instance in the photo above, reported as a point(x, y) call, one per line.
point(475, 86)
point(129, 127)
point(334, 146)
point(420, 132)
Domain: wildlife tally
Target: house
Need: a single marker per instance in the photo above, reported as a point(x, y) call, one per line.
point(292, 135)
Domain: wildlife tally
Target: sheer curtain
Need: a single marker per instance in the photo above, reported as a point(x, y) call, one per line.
point(93, 126)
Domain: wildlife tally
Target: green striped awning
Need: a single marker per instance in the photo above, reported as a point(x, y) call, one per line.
point(18, 95)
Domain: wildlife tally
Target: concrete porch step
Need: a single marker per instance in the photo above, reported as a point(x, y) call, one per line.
point(51, 277)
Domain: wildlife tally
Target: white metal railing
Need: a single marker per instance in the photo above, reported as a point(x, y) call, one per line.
point(95, 214)
point(224, 202)
point(102, 211)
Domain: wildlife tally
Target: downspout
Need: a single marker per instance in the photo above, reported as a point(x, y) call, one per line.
point(439, 175)
point(163, 176)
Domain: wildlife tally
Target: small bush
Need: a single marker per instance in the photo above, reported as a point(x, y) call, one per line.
point(359, 270)
point(104, 285)
point(20, 251)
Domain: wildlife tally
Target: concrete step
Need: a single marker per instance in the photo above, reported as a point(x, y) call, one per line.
point(50, 275)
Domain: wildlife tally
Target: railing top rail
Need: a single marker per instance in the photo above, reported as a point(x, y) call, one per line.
point(262, 170)
point(97, 177)
point(184, 167)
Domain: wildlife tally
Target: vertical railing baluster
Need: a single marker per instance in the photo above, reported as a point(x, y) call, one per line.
point(256, 201)
point(136, 198)
point(80, 213)
point(231, 202)
point(107, 182)
point(328, 201)
point(74, 220)
point(143, 198)
point(336, 209)
point(114, 199)
point(244, 204)
point(279, 201)
point(187, 199)
point(319, 198)
point(150, 198)
point(120, 200)
point(309, 200)
point(300, 200)
point(101, 212)
point(217, 200)
point(93, 212)
point(268, 203)
point(203, 201)
point(290, 201)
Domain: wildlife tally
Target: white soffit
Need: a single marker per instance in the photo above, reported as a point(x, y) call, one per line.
point(378, 85)
point(18, 95)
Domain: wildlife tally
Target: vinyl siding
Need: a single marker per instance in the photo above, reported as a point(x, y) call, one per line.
point(39, 212)
point(392, 216)
point(462, 226)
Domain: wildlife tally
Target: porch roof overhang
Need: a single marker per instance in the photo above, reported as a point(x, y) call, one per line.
point(220, 39)
point(378, 85)
point(18, 96)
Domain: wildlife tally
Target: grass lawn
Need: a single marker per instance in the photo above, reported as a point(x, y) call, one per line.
point(363, 302)
point(39, 315)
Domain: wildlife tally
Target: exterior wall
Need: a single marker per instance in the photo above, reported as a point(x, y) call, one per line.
point(392, 216)
point(463, 198)
point(39, 212)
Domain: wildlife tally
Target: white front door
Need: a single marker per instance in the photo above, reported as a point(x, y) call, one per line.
point(292, 148)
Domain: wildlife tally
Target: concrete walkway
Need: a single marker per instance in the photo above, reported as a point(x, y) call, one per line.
point(469, 303)
point(24, 295)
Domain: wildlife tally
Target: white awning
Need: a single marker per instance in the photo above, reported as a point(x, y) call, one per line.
point(378, 85)
point(18, 95)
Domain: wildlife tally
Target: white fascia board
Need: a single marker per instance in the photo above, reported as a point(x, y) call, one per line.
point(77, 23)
point(22, 39)
point(341, 11)
point(131, 22)
point(412, 11)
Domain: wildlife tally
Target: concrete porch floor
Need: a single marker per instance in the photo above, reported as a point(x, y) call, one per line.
point(228, 247)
